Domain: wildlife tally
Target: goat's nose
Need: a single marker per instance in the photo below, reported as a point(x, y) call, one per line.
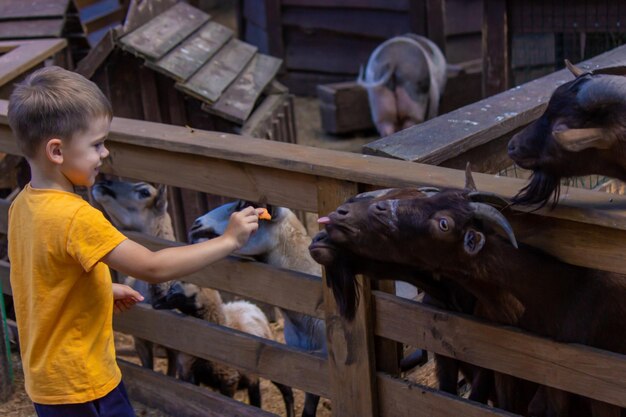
point(196, 225)
point(342, 211)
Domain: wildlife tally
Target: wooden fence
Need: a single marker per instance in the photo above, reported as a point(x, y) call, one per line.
point(587, 229)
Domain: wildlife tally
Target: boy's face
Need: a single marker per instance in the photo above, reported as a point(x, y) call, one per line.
point(83, 155)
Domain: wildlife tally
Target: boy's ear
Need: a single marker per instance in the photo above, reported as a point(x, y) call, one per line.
point(54, 150)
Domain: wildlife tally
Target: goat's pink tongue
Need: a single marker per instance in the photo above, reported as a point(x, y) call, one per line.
point(323, 220)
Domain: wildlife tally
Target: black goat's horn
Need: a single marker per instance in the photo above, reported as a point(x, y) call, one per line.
point(574, 69)
point(488, 198)
point(493, 216)
point(602, 90)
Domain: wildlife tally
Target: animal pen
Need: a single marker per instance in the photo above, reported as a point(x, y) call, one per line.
point(360, 373)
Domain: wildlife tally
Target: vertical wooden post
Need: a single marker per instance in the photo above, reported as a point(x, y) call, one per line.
point(388, 352)
point(6, 371)
point(274, 27)
point(350, 345)
point(436, 23)
point(495, 47)
point(417, 17)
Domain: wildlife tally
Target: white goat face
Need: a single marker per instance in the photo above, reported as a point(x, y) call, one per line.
point(214, 223)
point(131, 205)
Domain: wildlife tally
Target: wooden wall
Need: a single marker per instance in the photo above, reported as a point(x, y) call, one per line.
point(326, 41)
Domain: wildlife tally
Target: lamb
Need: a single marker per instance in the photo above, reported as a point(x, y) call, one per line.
point(282, 242)
point(139, 207)
point(405, 77)
point(446, 235)
point(206, 304)
point(580, 133)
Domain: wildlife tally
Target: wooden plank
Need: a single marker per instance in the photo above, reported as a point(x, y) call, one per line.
point(274, 27)
point(266, 358)
point(326, 52)
point(379, 24)
point(180, 398)
point(495, 48)
point(237, 102)
point(31, 29)
point(350, 344)
point(185, 59)
point(102, 14)
point(212, 79)
point(400, 5)
point(463, 17)
point(96, 57)
point(599, 376)
point(259, 122)
point(141, 12)
point(161, 34)
point(24, 55)
point(31, 9)
point(287, 289)
point(436, 23)
point(344, 107)
point(399, 398)
point(452, 134)
point(305, 83)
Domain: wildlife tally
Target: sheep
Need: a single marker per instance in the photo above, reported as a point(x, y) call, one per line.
point(139, 207)
point(282, 242)
point(405, 77)
point(451, 237)
point(581, 132)
point(206, 304)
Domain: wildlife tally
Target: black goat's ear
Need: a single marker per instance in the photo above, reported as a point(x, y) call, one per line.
point(473, 242)
point(575, 140)
point(160, 201)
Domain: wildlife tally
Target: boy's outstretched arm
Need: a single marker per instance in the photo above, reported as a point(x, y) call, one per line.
point(137, 261)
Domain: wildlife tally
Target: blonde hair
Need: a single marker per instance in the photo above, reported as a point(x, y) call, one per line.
point(54, 103)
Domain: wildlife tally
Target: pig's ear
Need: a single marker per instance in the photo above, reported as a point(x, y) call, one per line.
point(575, 140)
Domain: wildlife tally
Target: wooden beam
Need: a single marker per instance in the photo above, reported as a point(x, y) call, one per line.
point(253, 280)
point(179, 398)
point(599, 376)
point(350, 344)
point(266, 358)
point(24, 55)
point(400, 398)
point(495, 47)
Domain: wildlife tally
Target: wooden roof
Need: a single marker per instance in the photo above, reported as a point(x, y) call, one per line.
point(205, 59)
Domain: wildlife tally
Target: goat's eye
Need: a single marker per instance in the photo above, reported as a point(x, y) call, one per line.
point(143, 193)
point(443, 225)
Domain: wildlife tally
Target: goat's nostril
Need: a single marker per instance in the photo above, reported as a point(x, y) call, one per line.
point(196, 225)
point(512, 147)
point(343, 211)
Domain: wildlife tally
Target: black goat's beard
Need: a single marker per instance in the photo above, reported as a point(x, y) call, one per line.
point(542, 188)
point(341, 278)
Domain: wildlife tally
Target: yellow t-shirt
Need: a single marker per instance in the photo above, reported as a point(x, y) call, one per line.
point(63, 296)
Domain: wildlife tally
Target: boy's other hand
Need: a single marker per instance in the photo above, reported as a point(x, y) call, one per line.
point(124, 297)
point(241, 225)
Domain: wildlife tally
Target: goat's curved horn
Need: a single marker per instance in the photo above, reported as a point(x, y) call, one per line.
point(488, 198)
point(491, 215)
point(602, 90)
point(574, 69)
point(470, 185)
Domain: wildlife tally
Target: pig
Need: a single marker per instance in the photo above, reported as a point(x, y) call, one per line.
point(404, 78)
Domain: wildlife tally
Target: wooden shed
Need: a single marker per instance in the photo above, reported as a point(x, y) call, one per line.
point(325, 41)
point(82, 22)
point(171, 63)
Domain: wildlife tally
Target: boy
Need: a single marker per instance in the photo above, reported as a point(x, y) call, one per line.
point(60, 246)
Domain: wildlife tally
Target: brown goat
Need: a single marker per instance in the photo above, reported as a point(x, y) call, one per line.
point(581, 132)
point(446, 235)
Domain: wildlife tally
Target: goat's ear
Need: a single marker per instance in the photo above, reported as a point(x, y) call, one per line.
point(575, 140)
point(473, 242)
point(160, 201)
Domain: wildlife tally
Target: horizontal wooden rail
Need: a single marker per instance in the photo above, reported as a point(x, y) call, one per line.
point(266, 358)
point(179, 398)
point(398, 398)
point(287, 289)
point(179, 156)
point(575, 368)
point(449, 139)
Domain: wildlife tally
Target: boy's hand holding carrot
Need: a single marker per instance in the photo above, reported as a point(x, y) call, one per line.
point(241, 225)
